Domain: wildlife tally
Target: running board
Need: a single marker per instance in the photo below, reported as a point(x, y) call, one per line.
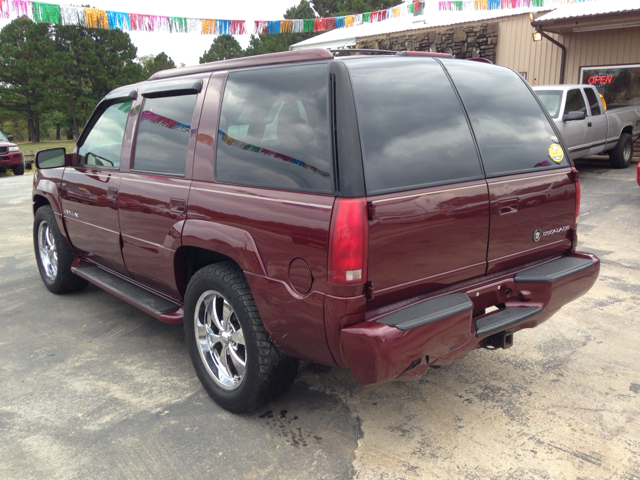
point(135, 295)
point(503, 319)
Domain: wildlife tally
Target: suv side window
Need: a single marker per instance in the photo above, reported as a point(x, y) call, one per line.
point(274, 129)
point(593, 101)
point(163, 134)
point(413, 130)
point(575, 102)
point(103, 145)
point(513, 133)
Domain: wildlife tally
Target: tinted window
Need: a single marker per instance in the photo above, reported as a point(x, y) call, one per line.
point(593, 101)
point(274, 129)
point(163, 134)
point(575, 102)
point(412, 127)
point(512, 131)
point(103, 145)
point(551, 101)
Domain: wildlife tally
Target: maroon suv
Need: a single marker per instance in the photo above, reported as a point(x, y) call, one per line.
point(380, 213)
point(10, 155)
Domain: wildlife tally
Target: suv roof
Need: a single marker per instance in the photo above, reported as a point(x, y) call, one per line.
point(309, 55)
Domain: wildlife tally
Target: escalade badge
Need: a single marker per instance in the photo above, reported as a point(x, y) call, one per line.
point(537, 235)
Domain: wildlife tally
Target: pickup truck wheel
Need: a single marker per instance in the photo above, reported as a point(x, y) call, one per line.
point(620, 156)
point(236, 362)
point(53, 256)
point(18, 169)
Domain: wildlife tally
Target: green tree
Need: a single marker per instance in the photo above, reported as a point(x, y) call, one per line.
point(152, 64)
point(222, 48)
point(88, 64)
point(264, 43)
point(26, 49)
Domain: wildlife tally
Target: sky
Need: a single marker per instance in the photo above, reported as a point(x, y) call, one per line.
point(187, 48)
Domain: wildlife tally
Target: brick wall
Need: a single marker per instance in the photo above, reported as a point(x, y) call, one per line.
point(478, 40)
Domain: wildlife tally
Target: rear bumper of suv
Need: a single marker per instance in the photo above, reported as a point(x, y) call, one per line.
point(437, 331)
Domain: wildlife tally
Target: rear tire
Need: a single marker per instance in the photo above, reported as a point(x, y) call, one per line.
point(53, 256)
point(18, 169)
point(620, 156)
point(236, 362)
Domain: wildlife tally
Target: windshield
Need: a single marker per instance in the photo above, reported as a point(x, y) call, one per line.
point(3, 137)
point(551, 100)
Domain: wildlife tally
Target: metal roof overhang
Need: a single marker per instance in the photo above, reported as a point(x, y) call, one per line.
point(590, 23)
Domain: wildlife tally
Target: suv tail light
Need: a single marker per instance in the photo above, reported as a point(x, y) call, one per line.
point(576, 176)
point(348, 242)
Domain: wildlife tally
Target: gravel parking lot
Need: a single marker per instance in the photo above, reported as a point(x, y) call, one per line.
point(90, 387)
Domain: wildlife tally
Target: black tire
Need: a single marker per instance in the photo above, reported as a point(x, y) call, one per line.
point(58, 280)
point(266, 373)
point(18, 169)
point(620, 157)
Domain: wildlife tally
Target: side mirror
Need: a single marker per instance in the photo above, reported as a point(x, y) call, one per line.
point(571, 116)
point(10, 138)
point(52, 158)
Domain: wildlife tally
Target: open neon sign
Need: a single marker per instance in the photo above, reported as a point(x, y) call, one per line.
point(600, 80)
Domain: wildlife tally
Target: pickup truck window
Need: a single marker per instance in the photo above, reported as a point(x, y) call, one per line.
point(512, 131)
point(551, 101)
point(103, 145)
point(593, 101)
point(575, 102)
point(163, 134)
point(412, 127)
point(274, 129)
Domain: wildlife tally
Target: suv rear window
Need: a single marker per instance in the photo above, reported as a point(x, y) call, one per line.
point(513, 133)
point(274, 129)
point(413, 131)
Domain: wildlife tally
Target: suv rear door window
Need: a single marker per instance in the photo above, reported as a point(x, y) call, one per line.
point(163, 134)
point(412, 127)
point(274, 129)
point(513, 133)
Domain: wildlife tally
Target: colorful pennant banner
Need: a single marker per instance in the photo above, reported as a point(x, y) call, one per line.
point(461, 5)
point(96, 18)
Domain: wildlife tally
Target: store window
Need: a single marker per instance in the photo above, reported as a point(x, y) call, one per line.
point(618, 84)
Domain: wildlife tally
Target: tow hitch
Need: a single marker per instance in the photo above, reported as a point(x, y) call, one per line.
point(498, 340)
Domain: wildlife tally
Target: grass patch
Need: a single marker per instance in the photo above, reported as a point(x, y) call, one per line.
point(33, 148)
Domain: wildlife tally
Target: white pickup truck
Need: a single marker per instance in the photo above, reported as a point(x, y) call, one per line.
point(586, 127)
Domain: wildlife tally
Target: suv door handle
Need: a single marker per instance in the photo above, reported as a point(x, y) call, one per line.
point(178, 205)
point(112, 193)
point(589, 124)
point(508, 205)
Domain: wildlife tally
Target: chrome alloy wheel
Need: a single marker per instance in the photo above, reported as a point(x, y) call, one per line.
point(48, 251)
point(219, 335)
point(626, 153)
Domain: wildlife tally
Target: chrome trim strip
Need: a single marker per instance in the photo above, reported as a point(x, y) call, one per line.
point(424, 194)
point(279, 200)
point(527, 178)
point(154, 183)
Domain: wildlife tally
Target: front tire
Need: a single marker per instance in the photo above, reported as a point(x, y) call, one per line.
point(620, 156)
point(236, 362)
point(53, 256)
point(18, 169)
